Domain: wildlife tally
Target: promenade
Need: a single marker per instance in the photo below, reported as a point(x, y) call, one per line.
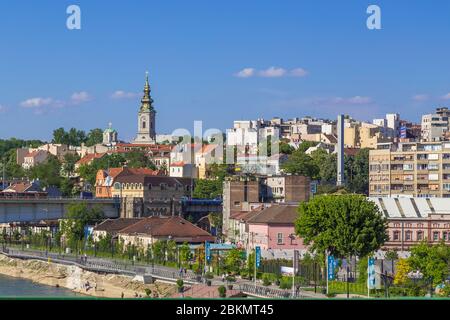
point(195, 285)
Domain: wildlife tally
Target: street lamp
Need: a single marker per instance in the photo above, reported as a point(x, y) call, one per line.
point(415, 276)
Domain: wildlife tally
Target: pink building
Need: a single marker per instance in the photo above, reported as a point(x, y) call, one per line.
point(273, 229)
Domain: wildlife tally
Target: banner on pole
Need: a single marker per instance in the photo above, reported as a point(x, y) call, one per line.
point(371, 276)
point(258, 256)
point(296, 261)
point(332, 263)
point(208, 251)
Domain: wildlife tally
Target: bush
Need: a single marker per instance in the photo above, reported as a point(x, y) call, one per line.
point(180, 283)
point(266, 280)
point(231, 279)
point(285, 283)
point(148, 292)
point(209, 275)
point(222, 291)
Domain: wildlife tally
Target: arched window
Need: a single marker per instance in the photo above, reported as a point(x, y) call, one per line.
point(117, 185)
point(144, 125)
point(408, 235)
point(396, 236)
point(419, 235)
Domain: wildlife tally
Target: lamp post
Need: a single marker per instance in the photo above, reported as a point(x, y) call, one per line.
point(415, 276)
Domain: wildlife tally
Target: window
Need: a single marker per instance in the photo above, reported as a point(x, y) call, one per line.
point(149, 186)
point(408, 235)
point(143, 124)
point(396, 235)
point(445, 236)
point(279, 238)
point(435, 236)
point(117, 185)
point(419, 235)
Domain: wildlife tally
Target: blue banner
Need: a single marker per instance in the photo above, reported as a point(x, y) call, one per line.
point(332, 263)
point(208, 251)
point(371, 274)
point(258, 256)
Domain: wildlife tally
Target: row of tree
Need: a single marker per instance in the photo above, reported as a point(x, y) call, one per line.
point(321, 165)
point(75, 137)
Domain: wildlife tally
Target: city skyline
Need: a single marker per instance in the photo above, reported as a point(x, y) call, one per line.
point(254, 60)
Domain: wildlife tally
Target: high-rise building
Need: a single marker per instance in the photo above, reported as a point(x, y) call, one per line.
point(435, 126)
point(413, 169)
point(146, 118)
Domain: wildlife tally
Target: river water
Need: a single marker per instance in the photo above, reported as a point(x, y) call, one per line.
point(15, 287)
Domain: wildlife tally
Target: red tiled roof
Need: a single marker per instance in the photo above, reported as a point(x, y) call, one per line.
point(90, 157)
point(276, 214)
point(177, 164)
point(176, 228)
point(115, 225)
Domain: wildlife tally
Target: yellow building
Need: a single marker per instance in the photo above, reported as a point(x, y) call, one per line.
point(410, 169)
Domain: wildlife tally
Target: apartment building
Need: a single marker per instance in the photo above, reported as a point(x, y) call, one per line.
point(435, 126)
point(411, 169)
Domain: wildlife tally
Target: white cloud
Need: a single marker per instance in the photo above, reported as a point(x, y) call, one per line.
point(120, 94)
point(80, 97)
point(446, 97)
point(245, 73)
point(420, 97)
point(36, 102)
point(358, 100)
point(298, 72)
point(272, 72)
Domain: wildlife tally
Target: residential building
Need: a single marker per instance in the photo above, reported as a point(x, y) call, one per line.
point(34, 158)
point(273, 230)
point(183, 170)
point(287, 188)
point(435, 126)
point(415, 169)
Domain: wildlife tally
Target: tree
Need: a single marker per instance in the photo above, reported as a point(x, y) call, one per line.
point(47, 172)
point(300, 163)
point(207, 189)
point(327, 164)
point(286, 148)
point(432, 260)
point(344, 225)
point(78, 216)
point(233, 260)
point(357, 171)
point(95, 136)
point(305, 145)
point(70, 159)
point(185, 253)
point(403, 268)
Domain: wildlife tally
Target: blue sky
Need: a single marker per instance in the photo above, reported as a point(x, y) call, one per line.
point(324, 60)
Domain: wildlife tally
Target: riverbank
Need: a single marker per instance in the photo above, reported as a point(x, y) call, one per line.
point(76, 279)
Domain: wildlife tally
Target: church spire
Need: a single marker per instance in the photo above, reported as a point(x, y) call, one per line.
point(146, 101)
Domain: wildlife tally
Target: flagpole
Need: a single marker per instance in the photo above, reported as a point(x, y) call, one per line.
point(368, 278)
point(326, 267)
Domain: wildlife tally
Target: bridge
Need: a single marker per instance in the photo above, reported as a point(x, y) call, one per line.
point(201, 205)
point(35, 210)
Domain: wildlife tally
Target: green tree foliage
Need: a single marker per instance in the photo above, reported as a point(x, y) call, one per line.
point(185, 253)
point(73, 137)
point(432, 260)
point(48, 172)
point(95, 136)
point(286, 148)
point(70, 159)
point(357, 172)
point(78, 216)
point(327, 164)
point(13, 143)
point(300, 163)
point(305, 145)
point(345, 225)
point(207, 189)
point(234, 260)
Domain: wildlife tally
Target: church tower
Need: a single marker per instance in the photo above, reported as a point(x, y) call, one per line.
point(146, 118)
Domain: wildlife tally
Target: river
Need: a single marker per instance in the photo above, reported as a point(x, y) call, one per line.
point(16, 287)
